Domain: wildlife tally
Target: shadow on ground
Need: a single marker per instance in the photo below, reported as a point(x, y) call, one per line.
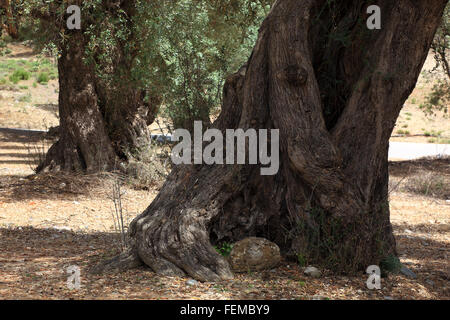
point(34, 262)
point(405, 168)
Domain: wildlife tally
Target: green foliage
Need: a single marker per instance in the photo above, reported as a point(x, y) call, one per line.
point(404, 132)
point(178, 50)
point(432, 133)
point(194, 46)
point(301, 259)
point(439, 98)
point(43, 77)
point(224, 249)
point(390, 264)
point(21, 69)
point(19, 74)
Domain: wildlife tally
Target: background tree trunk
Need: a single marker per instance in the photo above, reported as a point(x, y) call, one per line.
point(9, 20)
point(334, 89)
point(83, 143)
point(102, 119)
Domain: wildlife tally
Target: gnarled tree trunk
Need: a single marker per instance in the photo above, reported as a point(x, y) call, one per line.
point(83, 143)
point(101, 121)
point(10, 20)
point(334, 89)
point(97, 125)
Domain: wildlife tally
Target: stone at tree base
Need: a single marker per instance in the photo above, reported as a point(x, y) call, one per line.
point(313, 272)
point(405, 271)
point(254, 254)
point(191, 282)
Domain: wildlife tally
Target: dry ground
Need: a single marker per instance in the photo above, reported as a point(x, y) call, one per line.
point(50, 222)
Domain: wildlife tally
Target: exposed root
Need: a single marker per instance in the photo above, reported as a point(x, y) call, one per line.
point(180, 248)
point(124, 261)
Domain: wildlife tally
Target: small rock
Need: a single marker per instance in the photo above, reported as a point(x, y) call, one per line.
point(408, 231)
point(430, 282)
point(254, 254)
point(388, 298)
point(312, 272)
point(319, 298)
point(405, 271)
point(62, 228)
point(191, 282)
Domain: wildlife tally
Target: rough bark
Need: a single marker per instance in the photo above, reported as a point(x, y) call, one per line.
point(10, 23)
point(83, 143)
point(101, 121)
point(335, 105)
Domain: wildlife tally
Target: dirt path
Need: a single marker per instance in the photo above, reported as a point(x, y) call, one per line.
point(50, 222)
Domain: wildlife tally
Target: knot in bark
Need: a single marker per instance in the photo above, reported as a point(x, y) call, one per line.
point(294, 75)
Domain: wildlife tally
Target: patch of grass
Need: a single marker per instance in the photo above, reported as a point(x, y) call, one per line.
point(433, 133)
point(390, 264)
point(403, 132)
point(23, 87)
point(25, 98)
point(224, 249)
point(4, 52)
point(148, 164)
point(301, 259)
point(43, 78)
point(429, 184)
point(439, 140)
point(18, 75)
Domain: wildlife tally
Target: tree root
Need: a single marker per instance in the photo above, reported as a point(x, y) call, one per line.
point(124, 261)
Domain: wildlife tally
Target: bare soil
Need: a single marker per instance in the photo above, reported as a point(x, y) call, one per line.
point(49, 222)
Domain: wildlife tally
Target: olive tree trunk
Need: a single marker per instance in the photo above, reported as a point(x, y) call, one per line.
point(334, 89)
point(10, 18)
point(98, 125)
point(102, 118)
